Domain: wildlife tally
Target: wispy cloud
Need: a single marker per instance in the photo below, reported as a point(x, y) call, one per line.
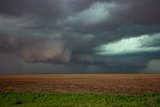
point(95, 14)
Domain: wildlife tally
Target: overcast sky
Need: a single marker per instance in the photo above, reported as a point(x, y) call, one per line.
point(79, 36)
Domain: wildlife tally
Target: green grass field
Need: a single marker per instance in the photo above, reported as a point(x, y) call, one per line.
point(17, 99)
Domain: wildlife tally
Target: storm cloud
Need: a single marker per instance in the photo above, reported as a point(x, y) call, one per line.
point(81, 36)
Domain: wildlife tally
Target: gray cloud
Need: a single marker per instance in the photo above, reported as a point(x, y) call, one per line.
point(95, 14)
point(37, 51)
point(53, 52)
point(153, 66)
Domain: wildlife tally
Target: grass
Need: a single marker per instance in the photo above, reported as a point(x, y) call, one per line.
point(17, 99)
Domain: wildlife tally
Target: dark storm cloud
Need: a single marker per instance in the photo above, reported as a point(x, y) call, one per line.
point(69, 31)
point(39, 50)
point(36, 7)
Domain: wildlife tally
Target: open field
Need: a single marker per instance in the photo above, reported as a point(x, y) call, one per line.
point(13, 99)
point(105, 83)
point(80, 90)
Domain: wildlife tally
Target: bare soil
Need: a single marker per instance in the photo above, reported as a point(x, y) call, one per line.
point(106, 83)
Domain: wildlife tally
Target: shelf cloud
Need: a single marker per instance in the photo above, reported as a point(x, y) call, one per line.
point(143, 43)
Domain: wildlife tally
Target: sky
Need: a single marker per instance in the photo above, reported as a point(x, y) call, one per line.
point(79, 36)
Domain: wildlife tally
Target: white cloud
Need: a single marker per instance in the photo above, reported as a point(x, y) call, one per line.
point(144, 43)
point(97, 13)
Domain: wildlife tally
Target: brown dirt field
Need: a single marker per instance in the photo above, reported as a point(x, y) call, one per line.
point(106, 83)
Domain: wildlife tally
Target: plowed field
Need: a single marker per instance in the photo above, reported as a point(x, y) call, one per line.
point(106, 83)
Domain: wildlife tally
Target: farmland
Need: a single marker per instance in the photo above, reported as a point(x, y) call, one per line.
point(80, 90)
point(105, 83)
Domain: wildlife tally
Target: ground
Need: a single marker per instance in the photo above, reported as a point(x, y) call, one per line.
point(80, 90)
point(102, 83)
